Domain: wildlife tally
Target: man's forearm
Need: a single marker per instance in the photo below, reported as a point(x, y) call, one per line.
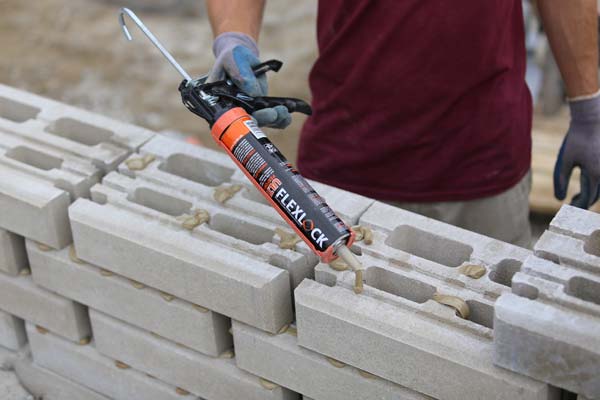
point(572, 29)
point(236, 15)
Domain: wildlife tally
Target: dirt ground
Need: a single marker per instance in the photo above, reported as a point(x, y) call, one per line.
point(74, 51)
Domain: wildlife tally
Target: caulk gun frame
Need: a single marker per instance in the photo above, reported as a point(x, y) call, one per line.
point(152, 38)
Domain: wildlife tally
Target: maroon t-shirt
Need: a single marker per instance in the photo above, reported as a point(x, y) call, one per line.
point(419, 100)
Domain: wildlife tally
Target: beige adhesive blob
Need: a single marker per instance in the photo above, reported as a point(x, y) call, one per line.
point(200, 308)
point(339, 265)
point(292, 331)
point(227, 354)
point(461, 306)
point(224, 193)
point(25, 272)
point(366, 374)
point(335, 363)
point(288, 240)
point(140, 163)
point(105, 272)
point(136, 284)
point(363, 234)
point(267, 384)
point(472, 270)
point(85, 341)
point(41, 329)
point(182, 392)
point(198, 218)
point(73, 255)
point(121, 365)
point(43, 247)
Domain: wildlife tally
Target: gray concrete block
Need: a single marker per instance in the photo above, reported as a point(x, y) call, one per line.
point(572, 239)
point(208, 377)
point(412, 241)
point(548, 327)
point(441, 355)
point(37, 184)
point(7, 359)
point(279, 359)
point(21, 297)
point(85, 366)
point(47, 385)
point(251, 234)
point(153, 247)
point(201, 169)
point(13, 257)
point(12, 331)
point(103, 141)
point(147, 308)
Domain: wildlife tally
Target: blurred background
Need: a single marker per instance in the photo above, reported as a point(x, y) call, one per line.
point(74, 51)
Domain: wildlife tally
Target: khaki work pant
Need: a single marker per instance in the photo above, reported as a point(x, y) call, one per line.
point(504, 216)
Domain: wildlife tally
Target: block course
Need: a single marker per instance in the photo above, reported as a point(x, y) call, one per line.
point(208, 377)
point(547, 328)
point(104, 141)
point(279, 359)
point(85, 366)
point(182, 322)
point(373, 330)
point(47, 385)
point(153, 248)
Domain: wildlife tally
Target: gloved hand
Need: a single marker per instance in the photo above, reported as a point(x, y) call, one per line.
point(236, 53)
point(581, 148)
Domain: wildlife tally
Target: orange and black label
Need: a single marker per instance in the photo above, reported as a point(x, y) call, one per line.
point(296, 200)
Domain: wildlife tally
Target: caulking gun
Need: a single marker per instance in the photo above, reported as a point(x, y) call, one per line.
point(227, 110)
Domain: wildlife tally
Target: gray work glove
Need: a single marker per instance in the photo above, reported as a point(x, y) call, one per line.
point(236, 53)
point(581, 148)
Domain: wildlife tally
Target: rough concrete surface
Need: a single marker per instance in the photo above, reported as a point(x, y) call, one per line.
point(153, 248)
point(372, 333)
point(21, 297)
point(13, 257)
point(279, 359)
point(85, 366)
point(209, 377)
point(177, 320)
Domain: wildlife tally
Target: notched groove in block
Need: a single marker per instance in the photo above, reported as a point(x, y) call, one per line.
point(504, 271)
point(584, 289)
point(160, 202)
point(592, 244)
point(80, 132)
point(429, 246)
point(17, 111)
point(241, 229)
point(34, 158)
point(481, 313)
point(398, 285)
point(196, 169)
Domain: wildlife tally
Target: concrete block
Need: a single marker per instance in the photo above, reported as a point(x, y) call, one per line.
point(398, 333)
point(208, 377)
point(21, 297)
point(573, 239)
point(279, 359)
point(103, 141)
point(147, 308)
point(85, 366)
point(47, 385)
point(153, 247)
point(200, 169)
point(37, 184)
point(12, 331)
point(548, 327)
point(229, 227)
point(412, 241)
point(7, 359)
point(13, 257)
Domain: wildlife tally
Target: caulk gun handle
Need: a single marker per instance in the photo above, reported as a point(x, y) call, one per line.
point(292, 104)
point(271, 65)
